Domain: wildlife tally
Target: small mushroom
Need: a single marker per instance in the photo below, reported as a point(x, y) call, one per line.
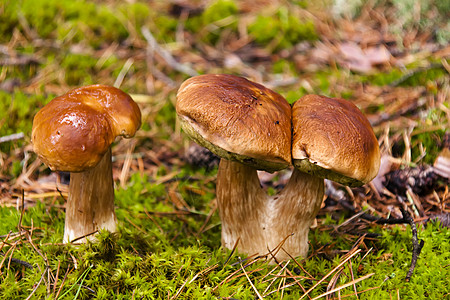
point(331, 139)
point(73, 133)
point(250, 127)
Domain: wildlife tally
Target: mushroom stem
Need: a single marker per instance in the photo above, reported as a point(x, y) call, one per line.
point(259, 222)
point(90, 206)
point(241, 203)
point(295, 209)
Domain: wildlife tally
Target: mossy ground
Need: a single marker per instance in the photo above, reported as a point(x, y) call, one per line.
point(168, 243)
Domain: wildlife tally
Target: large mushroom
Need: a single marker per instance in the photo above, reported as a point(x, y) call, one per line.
point(73, 133)
point(250, 127)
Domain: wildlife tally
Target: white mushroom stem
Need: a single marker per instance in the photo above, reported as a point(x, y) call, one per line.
point(261, 222)
point(90, 205)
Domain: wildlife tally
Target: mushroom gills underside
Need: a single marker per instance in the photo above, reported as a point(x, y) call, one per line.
point(314, 168)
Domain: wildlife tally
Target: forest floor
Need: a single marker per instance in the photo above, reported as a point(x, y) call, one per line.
point(390, 58)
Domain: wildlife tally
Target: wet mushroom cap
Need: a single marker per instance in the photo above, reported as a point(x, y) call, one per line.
point(333, 139)
point(237, 119)
point(73, 131)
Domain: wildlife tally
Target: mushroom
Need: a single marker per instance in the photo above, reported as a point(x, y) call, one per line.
point(249, 127)
point(73, 133)
point(331, 139)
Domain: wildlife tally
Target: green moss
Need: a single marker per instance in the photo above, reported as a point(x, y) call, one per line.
point(414, 76)
point(9, 21)
point(143, 260)
point(79, 69)
point(293, 95)
point(283, 66)
point(208, 23)
point(431, 143)
point(219, 10)
point(166, 117)
point(137, 13)
point(281, 29)
point(427, 139)
point(16, 115)
point(58, 19)
point(166, 27)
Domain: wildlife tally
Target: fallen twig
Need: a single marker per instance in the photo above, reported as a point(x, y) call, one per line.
point(18, 261)
point(406, 219)
point(417, 246)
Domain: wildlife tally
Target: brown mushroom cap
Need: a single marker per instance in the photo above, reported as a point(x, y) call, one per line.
point(73, 131)
point(237, 119)
point(333, 139)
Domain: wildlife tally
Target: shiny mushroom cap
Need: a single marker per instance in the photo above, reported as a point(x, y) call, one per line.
point(73, 131)
point(333, 139)
point(237, 119)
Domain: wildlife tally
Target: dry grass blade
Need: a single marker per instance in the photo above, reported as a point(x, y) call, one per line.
point(38, 284)
point(153, 220)
point(360, 292)
point(83, 236)
point(251, 283)
point(232, 251)
point(170, 60)
point(208, 218)
point(11, 137)
point(55, 282)
point(208, 269)
point(331, 272)
point(127, 164)
point(350, 267)
point(274, 277)
point(282, 285)
point(62, 283)
point(7, 255)
point(332, 284)
point(280, 288)
point(344, 286)
point(233, 275)
point(277, 248)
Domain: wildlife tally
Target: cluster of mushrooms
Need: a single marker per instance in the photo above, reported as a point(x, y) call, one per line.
point(248, 125)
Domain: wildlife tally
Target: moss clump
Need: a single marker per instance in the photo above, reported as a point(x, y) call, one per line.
point(16, 115)
point(413, 76)
point(59, 19)
point(281, 29)
point(208, 23)
point(78, 69)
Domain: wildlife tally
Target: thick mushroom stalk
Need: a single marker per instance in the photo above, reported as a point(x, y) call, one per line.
point(73, 133)
point(259, 223)
point(90, 205)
